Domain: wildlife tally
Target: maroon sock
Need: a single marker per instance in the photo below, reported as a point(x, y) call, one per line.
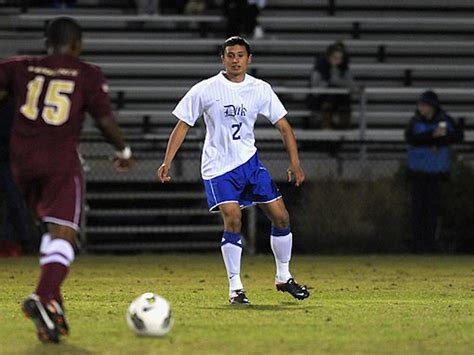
point(52, 276)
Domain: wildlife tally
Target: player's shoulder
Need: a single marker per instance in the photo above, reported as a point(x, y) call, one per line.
point(203, 85)
point(90, 67)
point(19, 60)
point(257, 82)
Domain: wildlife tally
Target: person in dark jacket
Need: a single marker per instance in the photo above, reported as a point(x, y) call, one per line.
point(331, 70)
point(429, 134)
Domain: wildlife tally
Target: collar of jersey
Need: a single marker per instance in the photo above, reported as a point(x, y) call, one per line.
point(231, 84)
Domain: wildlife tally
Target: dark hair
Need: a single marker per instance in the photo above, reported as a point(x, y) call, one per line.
point(236, 40)
point(62, 31)
point(322, 62)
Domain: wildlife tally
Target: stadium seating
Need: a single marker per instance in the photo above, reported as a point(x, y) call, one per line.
point(398, 49)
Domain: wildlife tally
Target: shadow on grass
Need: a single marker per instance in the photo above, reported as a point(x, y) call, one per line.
point(61, 348)
point(285, 306)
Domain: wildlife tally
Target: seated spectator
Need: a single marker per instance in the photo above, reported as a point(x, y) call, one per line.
point(242, 17)
point(235, 12)
point(254, 9)
point(60, 4)
point(331, 70)
point(430, 132)
point(147, 7)
point(195, 7)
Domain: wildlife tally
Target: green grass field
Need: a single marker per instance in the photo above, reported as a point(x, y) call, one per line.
point(359, 304)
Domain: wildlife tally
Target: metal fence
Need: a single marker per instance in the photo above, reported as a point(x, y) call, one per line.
point(350, 201)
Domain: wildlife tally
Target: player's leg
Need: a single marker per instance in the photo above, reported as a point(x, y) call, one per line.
point(60, 208)
point(281, 241)
point(224, 195)
point(45, 305)
point(231, 247)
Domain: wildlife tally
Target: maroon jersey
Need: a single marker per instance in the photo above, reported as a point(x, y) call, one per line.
point(52, 94)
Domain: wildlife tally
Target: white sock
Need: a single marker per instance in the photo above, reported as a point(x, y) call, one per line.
point(45, 240)
point(57, 251)
point(281, 242)
point(231, 247)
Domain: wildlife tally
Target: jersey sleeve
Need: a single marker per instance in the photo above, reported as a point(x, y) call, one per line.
point(97, 100)
point(272, 108)
point(190, 107)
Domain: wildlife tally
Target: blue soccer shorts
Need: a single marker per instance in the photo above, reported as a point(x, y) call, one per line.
point(248, 184)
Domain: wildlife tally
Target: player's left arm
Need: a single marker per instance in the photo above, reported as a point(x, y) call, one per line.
point(289, 141)
point(97, 103)
point(111, 131)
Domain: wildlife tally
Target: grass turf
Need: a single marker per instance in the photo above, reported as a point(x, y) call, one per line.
point(359, 304)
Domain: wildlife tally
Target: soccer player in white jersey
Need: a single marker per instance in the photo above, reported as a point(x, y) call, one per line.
point(234, 177)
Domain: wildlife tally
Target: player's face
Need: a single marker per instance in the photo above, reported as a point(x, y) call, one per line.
point(236, 60)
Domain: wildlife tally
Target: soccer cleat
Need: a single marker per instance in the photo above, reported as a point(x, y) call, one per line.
point(58, 316)
point(239, 297)
point(293, 288)
point(43, 319)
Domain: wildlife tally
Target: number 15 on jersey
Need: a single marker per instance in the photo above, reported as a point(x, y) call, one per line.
point(56, 105)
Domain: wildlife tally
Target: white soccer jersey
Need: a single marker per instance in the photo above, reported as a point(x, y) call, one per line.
point(230, 111)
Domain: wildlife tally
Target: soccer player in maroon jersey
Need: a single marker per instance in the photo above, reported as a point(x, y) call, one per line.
point(52, 94)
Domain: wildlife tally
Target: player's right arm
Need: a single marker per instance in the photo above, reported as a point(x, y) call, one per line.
point(174, 143)
point(188, 110)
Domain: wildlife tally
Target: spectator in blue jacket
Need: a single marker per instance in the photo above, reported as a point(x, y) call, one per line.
point(429, 134)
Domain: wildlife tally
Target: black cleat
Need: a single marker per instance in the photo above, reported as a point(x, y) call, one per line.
point(239, 297)
point(43, 319)
point(292, 287)
point(58, 316)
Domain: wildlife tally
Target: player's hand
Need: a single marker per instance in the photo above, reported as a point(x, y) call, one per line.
point(162, 173)
point(123, 160)
point(295, 170)
point(123, 165)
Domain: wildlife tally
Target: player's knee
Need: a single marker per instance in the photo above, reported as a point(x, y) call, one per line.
point(62, 232)
point(281, 220)
point(233, 224)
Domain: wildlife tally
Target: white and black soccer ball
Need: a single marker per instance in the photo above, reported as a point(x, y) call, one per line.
point(150, 315)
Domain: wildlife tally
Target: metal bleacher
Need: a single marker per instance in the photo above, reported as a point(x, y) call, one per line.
point(398, 49)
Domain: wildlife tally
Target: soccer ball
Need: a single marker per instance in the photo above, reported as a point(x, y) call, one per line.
point(149, 315)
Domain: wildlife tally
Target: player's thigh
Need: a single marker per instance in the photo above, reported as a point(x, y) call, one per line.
point(232, 215)
point(29, 184)
point(224, 189)
point(261, 187)
point(62, 200)
point(276, 212)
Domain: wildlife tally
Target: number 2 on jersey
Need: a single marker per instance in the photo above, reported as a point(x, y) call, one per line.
point(57, 104)
point(236, 132)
